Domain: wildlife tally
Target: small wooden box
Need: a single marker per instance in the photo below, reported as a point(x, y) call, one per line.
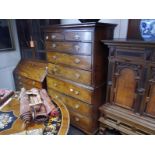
point(30, 74)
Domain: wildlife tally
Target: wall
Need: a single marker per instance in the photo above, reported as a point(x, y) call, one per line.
point(8, 61)
point(120, 30)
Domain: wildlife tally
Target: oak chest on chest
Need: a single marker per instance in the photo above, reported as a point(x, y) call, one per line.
point(77, 69)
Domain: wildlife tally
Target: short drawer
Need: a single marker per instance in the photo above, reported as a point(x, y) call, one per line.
point(74, 104)
point(78, 36)
point(69, 89)
point(85, 123)
point(77, 75)
point(25, 81)
point(54, 36)
point(26, 86)
point(70, 47)
point(130, 54)
point(82, 62)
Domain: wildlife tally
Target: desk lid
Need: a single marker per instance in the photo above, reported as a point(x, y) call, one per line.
point(32, 69)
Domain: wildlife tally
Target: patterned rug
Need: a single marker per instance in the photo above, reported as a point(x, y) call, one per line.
point(6, 120)
point(52, 125)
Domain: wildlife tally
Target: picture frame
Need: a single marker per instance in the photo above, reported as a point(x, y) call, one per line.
point(6, 37)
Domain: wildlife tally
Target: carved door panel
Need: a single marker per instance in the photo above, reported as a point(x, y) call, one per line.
point(126, 85)
point(150, 97)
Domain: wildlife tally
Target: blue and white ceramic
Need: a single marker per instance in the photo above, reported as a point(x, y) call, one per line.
point(147, 29)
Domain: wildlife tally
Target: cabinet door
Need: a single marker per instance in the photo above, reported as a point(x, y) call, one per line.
point(126, 85)
point(150, 94)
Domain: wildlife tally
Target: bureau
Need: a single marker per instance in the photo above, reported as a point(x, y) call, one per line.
point(30, 73)
point(130, 100)
point(77, 69)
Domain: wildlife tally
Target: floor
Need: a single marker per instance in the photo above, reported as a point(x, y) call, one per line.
point(74, 131)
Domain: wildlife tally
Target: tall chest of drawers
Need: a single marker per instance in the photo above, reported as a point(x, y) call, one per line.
point(77, 69)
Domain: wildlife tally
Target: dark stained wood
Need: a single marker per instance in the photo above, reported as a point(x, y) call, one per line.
point(75, 69)
point(134, 29)
point(150, 109)
point(130, 98)
point(70, 36)
point(80, 26)
point(149, 103)
point(79, 36)
point(70, 47)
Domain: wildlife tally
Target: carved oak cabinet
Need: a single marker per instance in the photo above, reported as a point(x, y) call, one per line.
point(130, 100)
point(77, 69)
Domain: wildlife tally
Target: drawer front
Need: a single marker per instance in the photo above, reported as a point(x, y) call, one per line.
point(73, 104)
point(130, 54)
point(78, 36)
point(54, 36)
point(69, 89)
point(26, 86)
point(89, 125)
point(77, 75)
point(82, 62)
point(22, 81)
point(70, 47)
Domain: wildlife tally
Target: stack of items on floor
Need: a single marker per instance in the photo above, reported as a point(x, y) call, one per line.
point(36, 106)
point(5, 95)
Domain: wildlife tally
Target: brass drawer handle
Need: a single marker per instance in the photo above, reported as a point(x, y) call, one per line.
point(71, 90)
point(77, 119)
point(76, 92)
point(77, 106)
point(54, 46)
point(56, 97)
point(77, 61)
point(55, 69)
point(53, 36)
point(33, 82)
point(55, 84)
point(47, 37)
point(76, 37)
point(77, 47)
point(77, 75)
point(54, 57)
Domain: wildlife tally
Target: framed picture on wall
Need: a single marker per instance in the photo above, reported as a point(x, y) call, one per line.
point(6, 38)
